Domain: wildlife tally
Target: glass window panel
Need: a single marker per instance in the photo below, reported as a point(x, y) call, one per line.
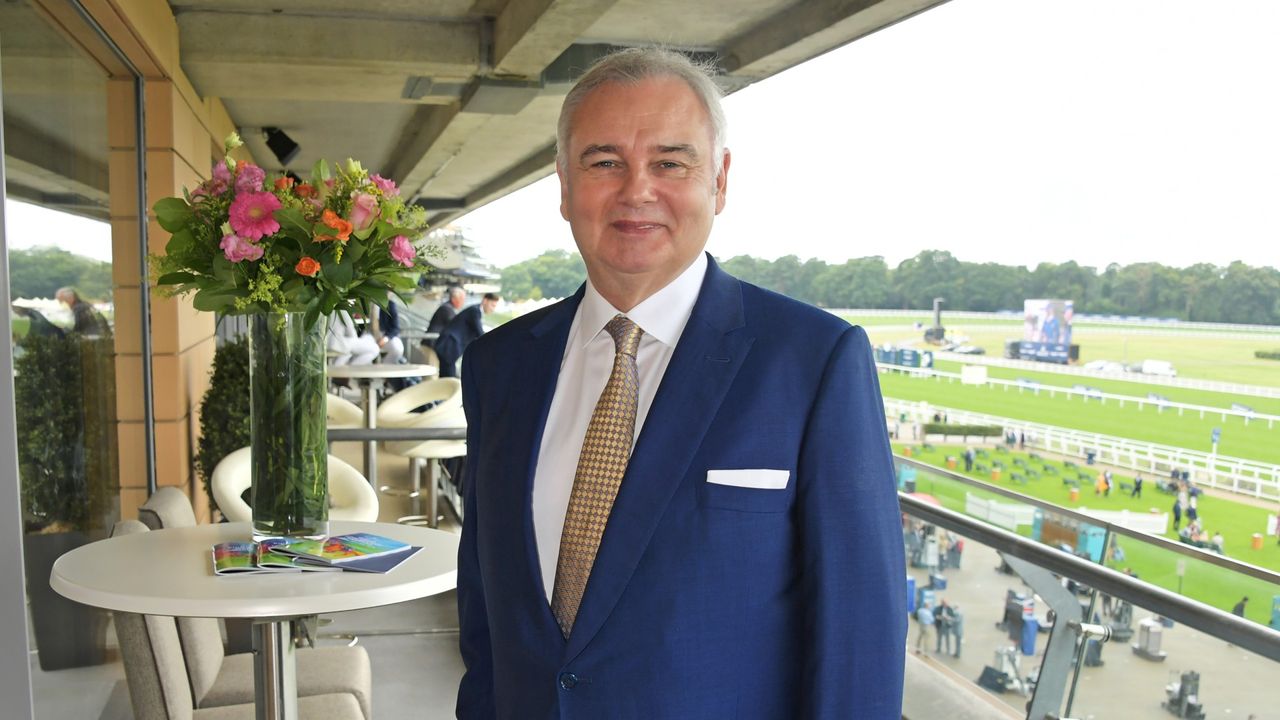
point(63, 334)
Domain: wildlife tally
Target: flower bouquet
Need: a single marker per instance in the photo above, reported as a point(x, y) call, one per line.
point(289, 253)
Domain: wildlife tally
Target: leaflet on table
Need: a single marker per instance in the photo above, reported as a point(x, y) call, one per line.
point(245, 557)
point(364, 552)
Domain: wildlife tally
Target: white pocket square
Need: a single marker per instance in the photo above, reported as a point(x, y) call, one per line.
point(757, 479)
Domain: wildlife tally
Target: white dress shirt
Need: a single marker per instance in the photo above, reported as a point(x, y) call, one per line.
point(587, 364)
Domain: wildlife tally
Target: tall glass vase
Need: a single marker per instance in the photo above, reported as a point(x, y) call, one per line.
point(290, 493)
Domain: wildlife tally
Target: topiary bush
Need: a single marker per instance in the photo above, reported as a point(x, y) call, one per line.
point(224, 410)
point(64, 402)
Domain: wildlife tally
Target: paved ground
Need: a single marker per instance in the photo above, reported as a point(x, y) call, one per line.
point(1233, 683)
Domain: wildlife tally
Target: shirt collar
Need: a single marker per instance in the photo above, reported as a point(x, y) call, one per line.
point(662, 315)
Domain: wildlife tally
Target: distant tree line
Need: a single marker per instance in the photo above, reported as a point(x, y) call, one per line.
point(39, 272)
point(1236, 293)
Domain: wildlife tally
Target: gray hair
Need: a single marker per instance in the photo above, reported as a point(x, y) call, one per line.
point(633, 65)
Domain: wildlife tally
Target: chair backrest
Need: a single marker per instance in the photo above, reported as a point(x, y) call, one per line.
point(342, 413)
point(350, 495)
point(169, 507)
point(153, 661)
point(200, 637)
point(397, 410)
point(231, 477)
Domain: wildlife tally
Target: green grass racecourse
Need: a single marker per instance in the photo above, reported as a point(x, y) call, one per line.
point(1208, 398)
point(1203, 581)
point(1225, 359)
point(1253, 441)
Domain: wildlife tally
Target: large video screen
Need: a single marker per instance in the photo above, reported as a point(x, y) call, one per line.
point(1046, 330)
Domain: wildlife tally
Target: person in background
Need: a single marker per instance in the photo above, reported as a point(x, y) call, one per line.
point(942, 627)
point(349, 347)
point(387, 332)
point(1137, 486)
point(461, 331)
point(956, 624)
point(1218, 541)
point(1239, 608)
point(39, 325)
point(453, 300)
point(87, 320)
point(924, 626)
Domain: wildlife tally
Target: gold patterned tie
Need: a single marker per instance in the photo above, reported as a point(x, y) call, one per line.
point(605, 452)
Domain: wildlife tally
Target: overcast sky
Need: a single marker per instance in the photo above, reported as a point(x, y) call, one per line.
point(1012, 131)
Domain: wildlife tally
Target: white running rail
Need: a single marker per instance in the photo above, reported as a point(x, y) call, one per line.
point(1245, 477)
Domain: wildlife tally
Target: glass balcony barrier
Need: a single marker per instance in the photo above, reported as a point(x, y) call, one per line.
point(1053, 613)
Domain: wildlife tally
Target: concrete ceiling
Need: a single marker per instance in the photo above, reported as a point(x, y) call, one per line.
point(457, 100)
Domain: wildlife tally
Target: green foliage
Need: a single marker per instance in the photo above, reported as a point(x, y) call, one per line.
point(955, 429)
point(224, 410)
point(40, 271)
point(323, 245)
point(64, 401)
point(553, 274)
point(1267, 354)
point(1236, 293)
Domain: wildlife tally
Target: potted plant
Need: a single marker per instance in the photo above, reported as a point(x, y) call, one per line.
point(68, 468)
point(224, 411)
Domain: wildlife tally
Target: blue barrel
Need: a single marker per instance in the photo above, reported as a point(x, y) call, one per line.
point(1030, 626)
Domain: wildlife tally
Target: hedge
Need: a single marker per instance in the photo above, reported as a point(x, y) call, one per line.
point(963, 430)
point(1267, 354)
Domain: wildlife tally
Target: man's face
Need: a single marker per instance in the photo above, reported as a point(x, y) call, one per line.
point(487, 306)
point(639, 186)
point(457, 299)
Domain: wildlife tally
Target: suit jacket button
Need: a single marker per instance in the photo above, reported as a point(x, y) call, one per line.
point(568, 681)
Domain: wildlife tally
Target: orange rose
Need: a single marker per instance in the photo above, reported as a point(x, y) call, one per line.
point(307, 266)
point(305, 190)
point(284, 183)
point(342, 227)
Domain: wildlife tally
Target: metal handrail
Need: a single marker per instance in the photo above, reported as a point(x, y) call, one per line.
point(1212, 558)
point(395, 433)
point(1251, 636)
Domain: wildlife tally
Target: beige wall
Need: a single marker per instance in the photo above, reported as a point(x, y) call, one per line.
point(183, 134)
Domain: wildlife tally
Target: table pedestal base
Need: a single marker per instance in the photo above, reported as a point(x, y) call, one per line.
point(275, 681)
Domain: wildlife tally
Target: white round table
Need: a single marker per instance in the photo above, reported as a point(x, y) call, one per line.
point(370, 378)
point(170, 572)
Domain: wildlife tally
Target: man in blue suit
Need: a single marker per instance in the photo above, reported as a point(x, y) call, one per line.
point(679, 491)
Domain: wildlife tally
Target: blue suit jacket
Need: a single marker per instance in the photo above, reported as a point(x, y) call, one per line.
point(706, 601)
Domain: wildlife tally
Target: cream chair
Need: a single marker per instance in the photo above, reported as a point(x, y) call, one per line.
point(350, 495)
point(342, 413)
point(332, 682)
point(440, 393)
point(444, 398)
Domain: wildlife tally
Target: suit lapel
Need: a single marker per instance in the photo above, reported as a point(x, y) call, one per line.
point(523, 418)
point(705, 362)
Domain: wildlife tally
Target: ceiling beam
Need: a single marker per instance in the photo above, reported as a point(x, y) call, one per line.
point(421, 47)
point(527, 171)
point(810, 29)
point(529, 34)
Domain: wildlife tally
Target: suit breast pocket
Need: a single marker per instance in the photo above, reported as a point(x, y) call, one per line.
point(755, 491)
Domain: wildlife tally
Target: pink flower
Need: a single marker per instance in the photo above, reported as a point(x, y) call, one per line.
point(387, 187)
point(236, 248)
point(249, 178)
point(403, 251)
point(364, 210)
point(251, 215)
point(221, 174)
